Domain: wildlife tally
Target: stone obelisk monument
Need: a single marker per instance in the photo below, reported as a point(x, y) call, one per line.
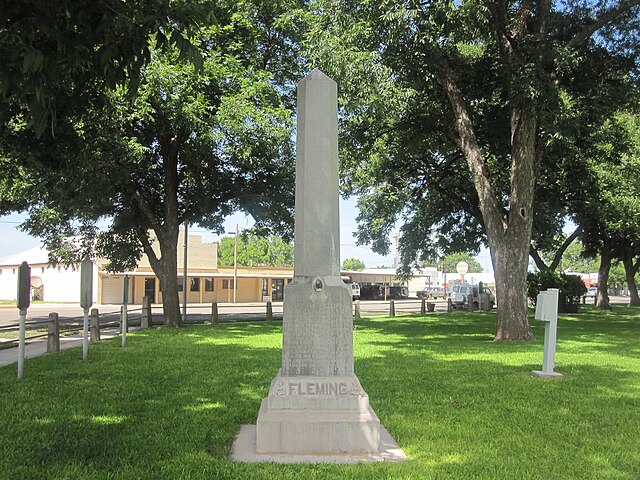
point(316, 405)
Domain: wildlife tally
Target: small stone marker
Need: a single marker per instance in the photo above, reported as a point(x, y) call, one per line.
point(547, 311)
point(316, 410)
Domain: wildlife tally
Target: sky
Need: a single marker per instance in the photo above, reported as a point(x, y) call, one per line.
point(13, 241)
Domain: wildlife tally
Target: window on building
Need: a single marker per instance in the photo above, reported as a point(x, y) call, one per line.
point(208, 284)
point(195, 285)
point(227, 283)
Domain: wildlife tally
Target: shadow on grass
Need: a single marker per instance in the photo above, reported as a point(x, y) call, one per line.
point(170, 404)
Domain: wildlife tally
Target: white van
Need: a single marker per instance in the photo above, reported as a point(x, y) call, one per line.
point(460, 293)
point(355, 291)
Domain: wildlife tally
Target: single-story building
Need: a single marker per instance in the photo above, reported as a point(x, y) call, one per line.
point(208, 282)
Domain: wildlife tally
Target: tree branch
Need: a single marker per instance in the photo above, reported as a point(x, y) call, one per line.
point(557, 258)
point(537, 259)
point(146, 210)
point(468, 143)
point(599, 22)
point(154, 261)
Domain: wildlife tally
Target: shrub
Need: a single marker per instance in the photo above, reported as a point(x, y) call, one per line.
point(571, 289)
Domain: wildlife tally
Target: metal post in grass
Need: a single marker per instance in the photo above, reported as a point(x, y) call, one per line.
point(123, 324)
point(94, 326)
point(146, 320)
point(214, 313)
point(470, 302)
point(269, 312)
point(547, 311)
point(449, 305)
point(53, 333)
point(86, 300)
point(392, 308)
point(23, 302)
point(357, 313)
point(422, 307)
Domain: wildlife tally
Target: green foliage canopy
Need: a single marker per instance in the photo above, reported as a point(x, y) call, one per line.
point(255, 250)
point(352, 264)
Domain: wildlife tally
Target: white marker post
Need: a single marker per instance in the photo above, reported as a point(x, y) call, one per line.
point(86, 300)
point(24, 300)
point(547, 311)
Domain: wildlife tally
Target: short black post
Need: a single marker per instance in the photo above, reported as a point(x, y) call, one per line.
point(94, 326)
point(53, 333)
point(422, 307)
point(269, 312)
point(146, 321)
point(392, 308)
point(214, 314)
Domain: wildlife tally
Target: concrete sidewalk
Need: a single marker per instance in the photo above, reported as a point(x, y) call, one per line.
point(38, 347)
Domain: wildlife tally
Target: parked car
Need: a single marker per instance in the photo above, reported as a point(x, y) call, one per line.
point(398, 293)
point(431, 292)
point(371, 292)
point(355, 291)
point(460, 294)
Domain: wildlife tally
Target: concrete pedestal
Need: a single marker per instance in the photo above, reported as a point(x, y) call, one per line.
point(317, 416)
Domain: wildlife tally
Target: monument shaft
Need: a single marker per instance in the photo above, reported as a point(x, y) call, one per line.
point(317, 224)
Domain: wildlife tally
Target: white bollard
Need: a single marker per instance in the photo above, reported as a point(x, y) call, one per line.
point(547, 311)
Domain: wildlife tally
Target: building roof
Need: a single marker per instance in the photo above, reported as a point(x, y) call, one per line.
point(34, 256)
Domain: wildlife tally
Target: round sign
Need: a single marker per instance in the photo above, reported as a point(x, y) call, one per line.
point(462, 268)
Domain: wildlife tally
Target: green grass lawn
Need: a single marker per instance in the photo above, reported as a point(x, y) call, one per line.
point(169, 405)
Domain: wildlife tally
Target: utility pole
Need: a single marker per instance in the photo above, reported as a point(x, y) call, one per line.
point(235, 266)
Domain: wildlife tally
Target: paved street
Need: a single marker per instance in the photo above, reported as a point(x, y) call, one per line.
point(68, 312)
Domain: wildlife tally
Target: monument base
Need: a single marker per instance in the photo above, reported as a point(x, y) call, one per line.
point(541, 374)
point(244, 450)
point(324, 417)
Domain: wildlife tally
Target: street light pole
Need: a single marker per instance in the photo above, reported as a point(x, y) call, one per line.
point(235, 266)
point(184, 273)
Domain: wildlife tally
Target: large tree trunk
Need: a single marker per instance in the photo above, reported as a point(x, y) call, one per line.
point(169, 280)
point(602, 299)
point(630, 271)
point(509, 234)
point(166, 229)
point(510, 269)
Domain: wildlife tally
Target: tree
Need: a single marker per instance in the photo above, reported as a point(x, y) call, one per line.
point(254, 250)
point(612, 225)
point(454, 258)
point(352, 264)
point(429, 85)
point(59, 55)
point(191, 146)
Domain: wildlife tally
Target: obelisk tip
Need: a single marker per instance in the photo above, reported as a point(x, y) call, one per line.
point(317, 74)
